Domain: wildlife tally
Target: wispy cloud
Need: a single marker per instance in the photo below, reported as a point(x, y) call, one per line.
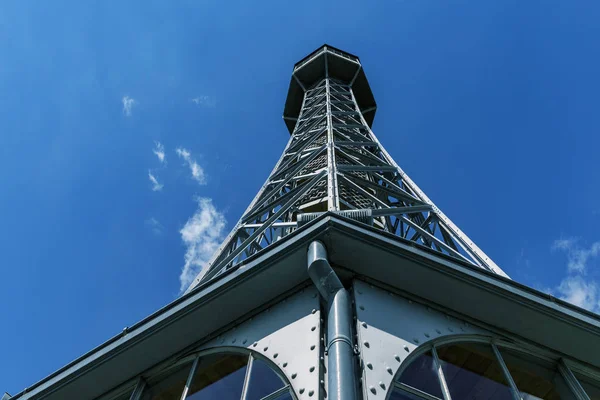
point(128, 104)
point(202, 235)
point(577, 255)
point(583, 293)
point(156, 187)
point(577, 288)
point(204, 101)
point(155, 226)
point(196, 170)
point(159, 150)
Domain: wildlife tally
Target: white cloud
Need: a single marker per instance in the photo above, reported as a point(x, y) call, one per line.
point(202, 235)
point(159, 150)
point(196, 170)
point(205, 101)
point(576, 287)
point(577, 256)
point(156, 187)
point(581, 292)
point(128, 104)
point(155, 226)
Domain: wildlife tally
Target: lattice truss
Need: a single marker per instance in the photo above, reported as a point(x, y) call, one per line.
point(334, 162)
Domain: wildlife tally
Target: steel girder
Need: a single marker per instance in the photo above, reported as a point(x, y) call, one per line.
point(334, 162)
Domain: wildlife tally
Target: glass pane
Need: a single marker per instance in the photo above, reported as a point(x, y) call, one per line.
point(473, 372)
point(421, 375)
point(219, 377)
point(169, 387)
point(263, 381)
point(398, 394)
point(591, 388)
point(534, 380)
point(286, 396)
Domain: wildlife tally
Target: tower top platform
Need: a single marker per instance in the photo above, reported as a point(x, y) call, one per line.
point(337, 64)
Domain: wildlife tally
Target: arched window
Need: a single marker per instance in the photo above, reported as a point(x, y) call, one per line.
point(482, 371)
point(218, 376)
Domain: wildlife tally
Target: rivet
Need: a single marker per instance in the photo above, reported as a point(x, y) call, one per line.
point(369, 365)
point(275, 355)
point(313, 328)
point(362, 307)
point(462, 328)
point(311, 369)
point(382, 385)
point(367, 345)
point(389, 370)
point(416, 340)
point(244, 341)
point(311, 392)
point(254, 344)
point(301, 390)
point(397, 357)
point(438, 331)
point(266, 348)
point(450, 329)
point(364, 324)
point(406, 347)
point(233, 340)
point(372, 389)
point(294, 375)
point(284, 364)
point(313, 311)
point(426, 334)
point(312, 347)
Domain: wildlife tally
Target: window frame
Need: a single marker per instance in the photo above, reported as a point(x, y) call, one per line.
point(143, 383)
point(495, 343)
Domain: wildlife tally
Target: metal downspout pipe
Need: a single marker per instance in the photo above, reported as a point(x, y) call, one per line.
point(340, 360)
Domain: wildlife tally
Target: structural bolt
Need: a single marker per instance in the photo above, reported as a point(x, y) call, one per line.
point(367, 345)
point(311, 392)
point(312, 347)
point(301, 390)
point(389, 370)
point(233, 340)
point(244, 341)
point(312, 369)
point(313, 328)
point(266, 348)
point(254, 344)
point(364, 324)
point(275, 355)
point(369, 365)
point(406, 348)
point(426, 334)
point(382, 385)
point(397, 357)
point(284, 364)
point(313, 311)
point(294, 375)
point(362, 308)
point(372, 389)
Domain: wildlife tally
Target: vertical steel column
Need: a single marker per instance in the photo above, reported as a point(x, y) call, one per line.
point(341, 380)
point(333, 201)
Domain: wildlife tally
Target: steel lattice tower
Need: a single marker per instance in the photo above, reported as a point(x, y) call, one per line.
point(333, 162)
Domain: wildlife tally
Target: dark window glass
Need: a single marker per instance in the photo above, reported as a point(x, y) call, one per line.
point(421, 374)
point(218, 377)
point(169, 387)
point(398, 394)
point(591, 388)
point(263, 381)
point(534, 379)
point(473, 372)
point(286, 396)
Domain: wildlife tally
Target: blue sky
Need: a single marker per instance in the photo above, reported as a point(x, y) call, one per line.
point(491, 107)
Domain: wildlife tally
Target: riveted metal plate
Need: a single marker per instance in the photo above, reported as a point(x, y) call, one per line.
point(288, 334)
point(390, 328)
